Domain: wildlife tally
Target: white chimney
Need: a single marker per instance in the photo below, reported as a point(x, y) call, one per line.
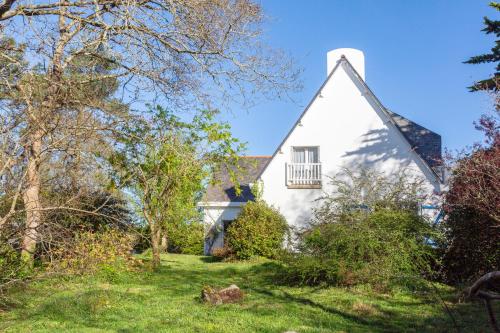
point(355, 57)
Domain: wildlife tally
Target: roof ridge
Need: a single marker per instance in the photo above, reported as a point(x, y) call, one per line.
point(393, 113)
point(393, 121)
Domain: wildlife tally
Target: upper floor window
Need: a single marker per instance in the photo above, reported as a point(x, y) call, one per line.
point(304, 171)
point(305, 155)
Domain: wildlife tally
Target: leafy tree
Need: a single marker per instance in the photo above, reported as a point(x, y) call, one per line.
point(165, 164)
point(89, 61)
point(491, 27)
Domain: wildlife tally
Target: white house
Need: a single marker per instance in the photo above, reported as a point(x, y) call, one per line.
point(344, 126)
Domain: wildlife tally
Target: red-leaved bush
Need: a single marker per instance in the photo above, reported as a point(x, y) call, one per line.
point(472, 205)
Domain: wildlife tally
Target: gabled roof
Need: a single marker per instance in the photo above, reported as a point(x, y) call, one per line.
point(224, 190)
point(425, 143)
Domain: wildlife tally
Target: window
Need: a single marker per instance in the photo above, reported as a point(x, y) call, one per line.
point(304, 171)
point(305, 155)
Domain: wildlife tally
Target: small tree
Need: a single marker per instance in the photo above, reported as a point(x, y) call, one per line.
point(165, 164)
point(167, 179)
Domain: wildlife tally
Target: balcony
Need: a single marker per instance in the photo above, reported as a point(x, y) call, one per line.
point(303, 175)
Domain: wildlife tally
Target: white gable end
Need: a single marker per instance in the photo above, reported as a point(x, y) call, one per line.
point(352, 131)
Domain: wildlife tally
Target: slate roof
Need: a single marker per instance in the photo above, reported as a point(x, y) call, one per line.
point(224, 190)
point(426, 143)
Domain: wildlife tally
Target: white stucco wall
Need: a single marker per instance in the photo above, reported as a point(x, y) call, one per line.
point(213, 216)
point(352, 132)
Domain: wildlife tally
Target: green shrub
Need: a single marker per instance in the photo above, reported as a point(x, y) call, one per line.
point(259, 230)
point(89, 252)
point(381, 248)
point(182, 237)
point(367, 231)
point(11, 265)
point(186, 238)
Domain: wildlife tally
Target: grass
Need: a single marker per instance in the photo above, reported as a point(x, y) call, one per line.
point(167, 301)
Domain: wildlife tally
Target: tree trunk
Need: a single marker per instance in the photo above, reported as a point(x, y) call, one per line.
point(31, 198)
point(164, 243)
point(155, 245)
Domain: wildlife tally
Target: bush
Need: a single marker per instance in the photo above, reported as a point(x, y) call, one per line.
point(89, 252)
point(472, 226)
point(472, 246)
point(259, 230)
point(380, 248)
point(183, 237)
point(366, 231)
point(11, 265)
point(186, 238)
point(223, 253)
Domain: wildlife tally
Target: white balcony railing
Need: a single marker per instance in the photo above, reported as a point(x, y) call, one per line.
point(303, 174)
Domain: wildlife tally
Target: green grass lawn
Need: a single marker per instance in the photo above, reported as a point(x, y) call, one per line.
point(167, 301)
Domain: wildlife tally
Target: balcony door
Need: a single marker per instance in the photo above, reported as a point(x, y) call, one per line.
point(305, 155)
point(304, 171)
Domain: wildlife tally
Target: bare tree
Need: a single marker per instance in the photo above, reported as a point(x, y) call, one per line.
point(85, 60)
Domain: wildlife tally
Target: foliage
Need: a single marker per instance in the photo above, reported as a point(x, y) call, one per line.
point(491, 27)
point(11, 266)
point(186, 237)
point(62, 228)
point(472, 205)
point(382, 248)
point(223, 253)
point(124, 303)
point(471, 248)
point(366, 231)
point(165, 164)
point(74, 74)
point(91, 251)
point(95, 211)
point(475, 181)
point(367, 189)
point(259, 230)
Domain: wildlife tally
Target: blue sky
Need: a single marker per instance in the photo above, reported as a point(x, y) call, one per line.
point(413, 54)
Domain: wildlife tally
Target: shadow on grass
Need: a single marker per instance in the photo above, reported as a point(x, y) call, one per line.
point(115, 303)
point(210, 259)
point(287, 297)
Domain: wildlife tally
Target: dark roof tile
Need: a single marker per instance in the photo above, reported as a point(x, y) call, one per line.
point(225, 191)
point(426, 143)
